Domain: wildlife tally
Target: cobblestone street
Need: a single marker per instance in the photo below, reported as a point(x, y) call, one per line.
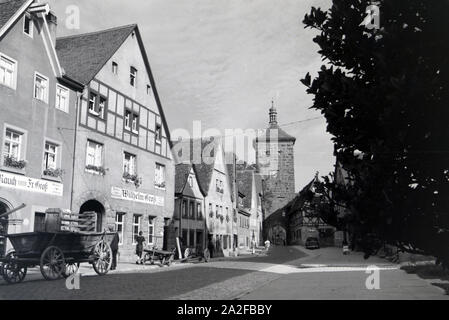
point(285, 273)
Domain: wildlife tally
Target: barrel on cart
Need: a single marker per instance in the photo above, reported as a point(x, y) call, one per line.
point(68, 240)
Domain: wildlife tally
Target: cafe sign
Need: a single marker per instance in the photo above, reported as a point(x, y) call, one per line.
point(125, 194)
point(15, 181)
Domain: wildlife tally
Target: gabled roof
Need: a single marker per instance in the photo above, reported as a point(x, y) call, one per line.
point(82, 56)
point(245, 186)
point(203, 169)
point(298, 201)
point(182, 172)
point(9, 10)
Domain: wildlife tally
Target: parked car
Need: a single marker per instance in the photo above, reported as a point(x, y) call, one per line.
point(312, 243)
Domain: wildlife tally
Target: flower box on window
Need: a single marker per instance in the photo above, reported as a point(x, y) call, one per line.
point(97, 169)
point(55, 173)
point(132, 178)
point(12, 162)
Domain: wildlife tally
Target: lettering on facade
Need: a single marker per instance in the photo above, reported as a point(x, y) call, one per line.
point(125, 194)
point(14, 181)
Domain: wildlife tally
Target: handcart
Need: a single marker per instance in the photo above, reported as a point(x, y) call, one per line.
point(165, 257)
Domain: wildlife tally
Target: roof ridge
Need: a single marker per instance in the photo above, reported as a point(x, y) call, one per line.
point(96, 32)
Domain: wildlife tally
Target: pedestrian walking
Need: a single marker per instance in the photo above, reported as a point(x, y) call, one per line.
point(114, 247)
point(140, 240)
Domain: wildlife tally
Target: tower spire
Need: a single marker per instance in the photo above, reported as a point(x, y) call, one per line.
point(273, 115)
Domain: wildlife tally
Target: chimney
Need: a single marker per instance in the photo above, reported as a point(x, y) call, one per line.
point(52, 22)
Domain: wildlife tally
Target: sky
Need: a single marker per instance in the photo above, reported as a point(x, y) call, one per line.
point(223, 61)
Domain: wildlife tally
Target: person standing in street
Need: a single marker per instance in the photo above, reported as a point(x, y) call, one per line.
point(140, 240)
point(114, 248)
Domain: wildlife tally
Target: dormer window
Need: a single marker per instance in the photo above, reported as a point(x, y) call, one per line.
point(133, 77)
point(28, 25)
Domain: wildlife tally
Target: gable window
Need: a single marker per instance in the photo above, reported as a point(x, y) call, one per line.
point(94, 154)
point(159, 176)
point(62, 98)
point(133, 76)
point(119, 221)
point(50, 156)
point(13, 144)
point(216, 211)
point(28, 25)
point(191, 181)
point(92, 102)
point(136, 226)
point(97, 104)
point(7, 71)
point(41, 87)
point(128, 117)
point(135, 123)
point(131, 121)
point(129, 163)
point(101, 107)
point(114, 67)
point(158, 133)
point(148, 89)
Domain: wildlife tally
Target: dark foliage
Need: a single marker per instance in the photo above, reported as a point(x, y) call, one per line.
point(385, 95)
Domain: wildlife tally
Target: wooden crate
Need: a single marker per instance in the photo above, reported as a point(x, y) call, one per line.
point(57, 220)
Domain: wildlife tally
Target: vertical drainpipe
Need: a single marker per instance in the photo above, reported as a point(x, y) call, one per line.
point(77, 104)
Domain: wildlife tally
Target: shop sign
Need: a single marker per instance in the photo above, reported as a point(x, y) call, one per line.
point(19, 182)
point(135, 196)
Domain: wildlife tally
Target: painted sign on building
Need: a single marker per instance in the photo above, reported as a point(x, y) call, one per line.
point(15, 181)
point(125, 194)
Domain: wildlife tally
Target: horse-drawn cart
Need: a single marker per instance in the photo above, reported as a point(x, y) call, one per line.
point(58, 250)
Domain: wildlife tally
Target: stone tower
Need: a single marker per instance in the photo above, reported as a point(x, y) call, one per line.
point(275, 164)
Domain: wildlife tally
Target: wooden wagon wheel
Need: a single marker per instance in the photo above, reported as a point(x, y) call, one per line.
point(206, 255)
point(103, 258)
point(71, 268)
point(52, 263)
point(12, 271)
